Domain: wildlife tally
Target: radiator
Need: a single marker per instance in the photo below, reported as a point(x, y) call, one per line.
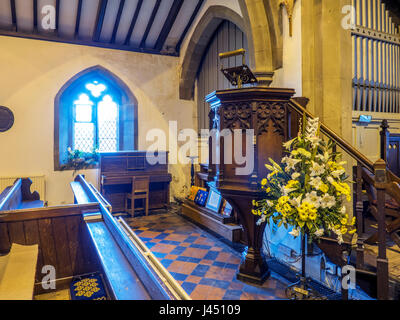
point(38, 184)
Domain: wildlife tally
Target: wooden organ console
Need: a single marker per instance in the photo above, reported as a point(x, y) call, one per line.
point(117, 170)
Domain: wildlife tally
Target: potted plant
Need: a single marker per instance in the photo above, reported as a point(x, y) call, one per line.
point(78, 160)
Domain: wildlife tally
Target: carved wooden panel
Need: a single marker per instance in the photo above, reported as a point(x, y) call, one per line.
point(275, 112)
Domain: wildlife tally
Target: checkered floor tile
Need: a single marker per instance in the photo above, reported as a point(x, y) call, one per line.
point(204, 265)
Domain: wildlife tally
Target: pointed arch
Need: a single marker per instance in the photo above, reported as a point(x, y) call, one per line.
point(128, 112)
point(262, 23)
point(198, 43)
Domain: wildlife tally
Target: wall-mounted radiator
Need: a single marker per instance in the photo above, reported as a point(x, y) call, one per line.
point(38, 184)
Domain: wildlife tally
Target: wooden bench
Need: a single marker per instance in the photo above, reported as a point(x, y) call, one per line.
point(17, 273)
point(19, 196)
point(131, 271)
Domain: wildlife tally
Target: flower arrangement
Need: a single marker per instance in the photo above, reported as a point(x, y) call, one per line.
point(79, 160)
point(308, 189)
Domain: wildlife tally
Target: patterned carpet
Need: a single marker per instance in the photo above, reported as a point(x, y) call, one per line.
point(204, 265)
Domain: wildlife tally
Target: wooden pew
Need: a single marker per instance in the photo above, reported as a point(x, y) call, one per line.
point(19, 196)
point(63, 241)
point(131, 271)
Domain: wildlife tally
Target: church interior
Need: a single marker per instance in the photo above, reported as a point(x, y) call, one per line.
point(200, 150)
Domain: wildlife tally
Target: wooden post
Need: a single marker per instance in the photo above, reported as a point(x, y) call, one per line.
point(359, 215)
point(384, 139)
point(381, 261)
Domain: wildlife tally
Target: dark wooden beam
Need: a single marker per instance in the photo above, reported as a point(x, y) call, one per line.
point(78, 18)
point(13, 15)
point(195, 12)
point(52, 38)
point(35, 16)
point(169, 22)
point(57, 15)
point(149, 25)
point(101, 12)
point(133, 22)
point(117, 21)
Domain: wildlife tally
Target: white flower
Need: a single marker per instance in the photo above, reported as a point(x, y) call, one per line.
point(295, 233)
point(285, 191)
point(343, 210)
point(317, 169)
point(312, 127)
point(319, 233)
point(324, 157)
point(328, 201)
point(330, 180)
point(315, 141)
point(270, 203)
point(295, 176)
point(291, 163)
point(261, 220)
point(338, 173)
point(313, 198)
point(316, 183)
point(288, 144)
point(296, 202)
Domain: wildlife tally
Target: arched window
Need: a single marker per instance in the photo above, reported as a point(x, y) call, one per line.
point(94, 110)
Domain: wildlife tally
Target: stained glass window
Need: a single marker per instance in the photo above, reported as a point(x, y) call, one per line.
point(95, 120)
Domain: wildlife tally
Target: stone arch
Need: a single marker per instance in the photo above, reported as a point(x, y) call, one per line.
point(129, 112)
point(262, 23)
point(197, 46)
point(264, 19)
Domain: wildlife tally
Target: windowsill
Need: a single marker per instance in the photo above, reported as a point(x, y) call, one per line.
point(58, 168)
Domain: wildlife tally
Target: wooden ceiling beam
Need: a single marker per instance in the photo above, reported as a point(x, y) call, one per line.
point(195, 12)
point(133, 22)
point(35, 16)
point(57, 16)
point(117, 21)
point(52, 38)
point(13, 15)
point(150, 24)
point(78, 18)
point(101, 12)
point(169, 22)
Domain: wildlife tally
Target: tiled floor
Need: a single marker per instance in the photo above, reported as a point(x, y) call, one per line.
point(204, 265)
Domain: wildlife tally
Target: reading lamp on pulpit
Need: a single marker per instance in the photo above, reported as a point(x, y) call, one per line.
point(240, 75)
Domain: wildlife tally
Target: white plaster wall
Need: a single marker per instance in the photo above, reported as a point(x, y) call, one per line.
point(32, 74)
point(290, 75)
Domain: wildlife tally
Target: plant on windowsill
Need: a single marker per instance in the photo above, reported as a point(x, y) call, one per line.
point(78, 160)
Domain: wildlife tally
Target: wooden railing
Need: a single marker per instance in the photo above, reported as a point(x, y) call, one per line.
point(384, 182)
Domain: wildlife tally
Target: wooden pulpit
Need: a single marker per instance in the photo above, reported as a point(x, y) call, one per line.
point(264, 110)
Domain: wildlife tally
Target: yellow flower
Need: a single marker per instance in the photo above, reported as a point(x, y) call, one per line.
point(312, 216)
point(303, 215)
point(283, 200)
point(343, 230)
point(268, 190)
point(344, 221)
point(353, 231)
point(324, 188)
point(292, 184)
point(264, 182)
